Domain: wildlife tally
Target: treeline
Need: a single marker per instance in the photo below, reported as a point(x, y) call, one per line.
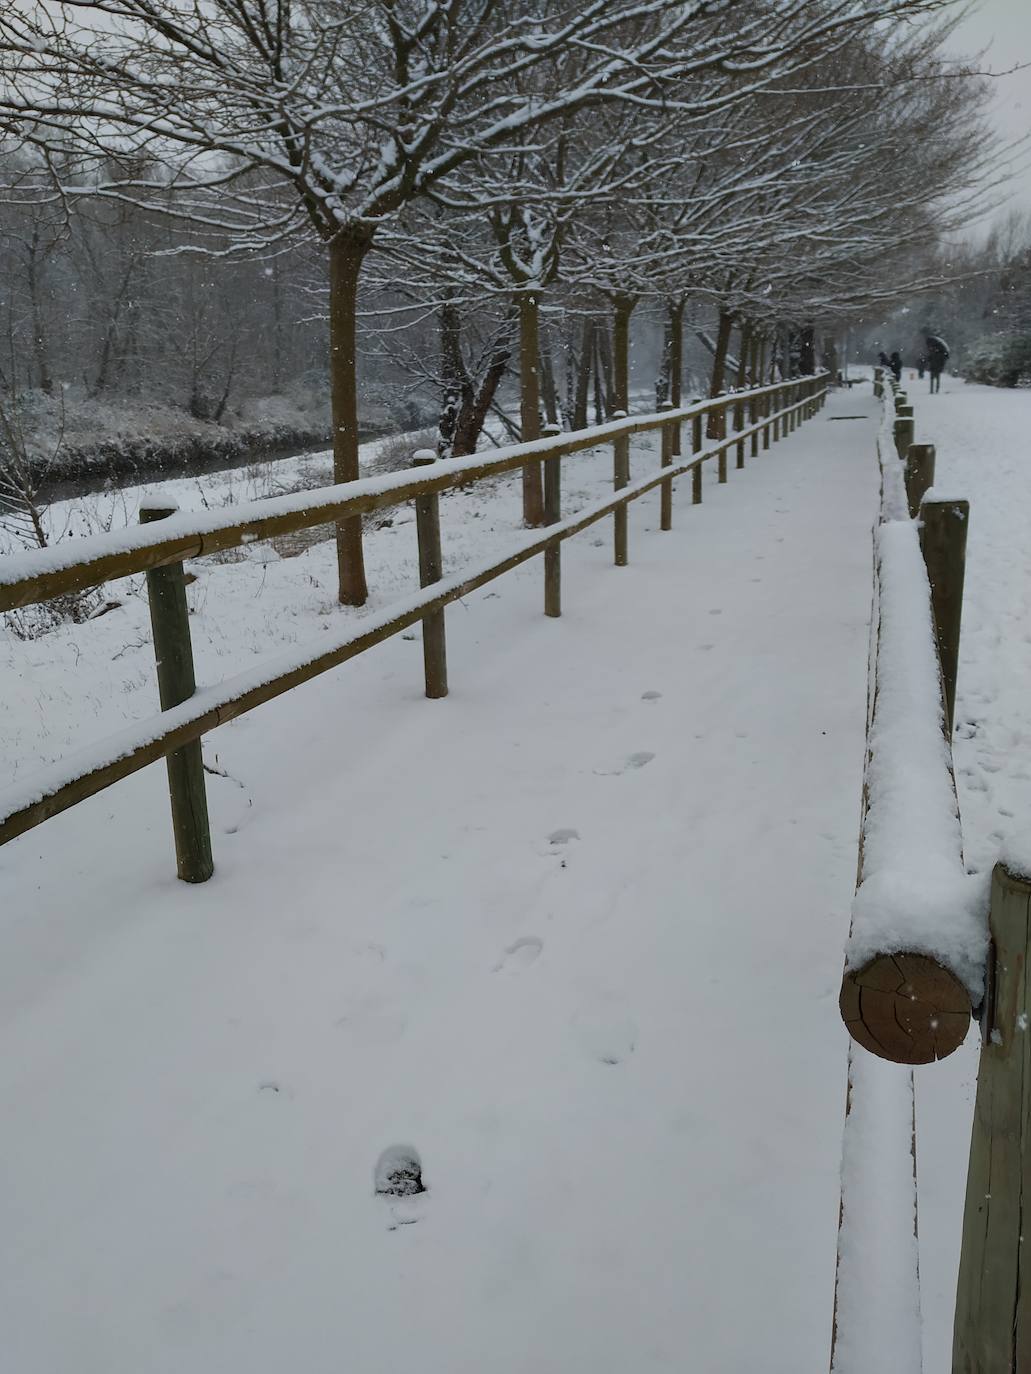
point(483, 189)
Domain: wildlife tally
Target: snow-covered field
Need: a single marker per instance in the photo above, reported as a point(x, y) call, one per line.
point(573, 934)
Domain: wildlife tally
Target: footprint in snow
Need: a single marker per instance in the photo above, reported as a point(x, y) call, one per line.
point(650, 696)
point(520, 955)
point(563, 835)
point(605, 1033)
point(632, 761)
point(398, 1178)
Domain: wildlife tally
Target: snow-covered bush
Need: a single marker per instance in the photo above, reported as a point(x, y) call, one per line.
point(1000, 360)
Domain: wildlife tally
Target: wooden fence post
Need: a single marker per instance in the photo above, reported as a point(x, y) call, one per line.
point(919, 475)
point(173, 650)
point(427, 526)
point(620, 477)
point(767, 407)
point(696, 447)
point(552, 515)
point(739, 424)
point(992, 1331)
point(943, 540)
point(878, 382)
point(903, 434)
point(753, 420)
point(666, 491)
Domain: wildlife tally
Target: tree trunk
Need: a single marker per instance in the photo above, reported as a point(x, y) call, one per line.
point(583, 375)
point(40, 341)
point(600, 405)
point(676, 361)
point(623, 308)
point(662, 380)
point(346, 255)
point(605, 365)
point(474, 411)
point(530, 402)
point(807, 350)
point(452, 377)
point(719, 367)
point(746, 346)
point(549, 392)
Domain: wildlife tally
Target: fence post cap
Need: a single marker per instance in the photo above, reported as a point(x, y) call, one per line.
point(422, 456)
point(552, 428)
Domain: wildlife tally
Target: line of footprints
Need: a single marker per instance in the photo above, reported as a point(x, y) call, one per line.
point(603, 1031)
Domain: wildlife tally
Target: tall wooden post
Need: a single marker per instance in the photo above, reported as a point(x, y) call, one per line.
point(431, 568)
point(943, 540)
point(753, 420)
point(919, 475)
point(666, 491)
point(767, 405)
point(739, 424)
point(173, 650)
point(992, 1331)
point(552, 515)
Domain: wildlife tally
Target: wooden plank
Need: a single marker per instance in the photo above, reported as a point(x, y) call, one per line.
point(992, 1331)
point(919, 475)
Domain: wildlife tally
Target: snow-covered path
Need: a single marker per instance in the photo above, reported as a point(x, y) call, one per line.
point(574, 934)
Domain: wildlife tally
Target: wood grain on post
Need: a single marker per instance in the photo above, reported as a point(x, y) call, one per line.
point(906, 1008)
point(552, 515)
point(992, 1329)
point(620, 477)
point(919, 475)
point(173, 650)
point(943, 541)
point(431, 569)
point(666, 490)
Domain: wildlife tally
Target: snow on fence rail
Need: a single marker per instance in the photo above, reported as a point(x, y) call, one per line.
point(159, 547)
point(916, 949)
point(915, 954)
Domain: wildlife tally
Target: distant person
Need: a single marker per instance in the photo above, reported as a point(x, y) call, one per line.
point(921, 367)
point(895, 363)
point(937, 357)
point(883, 359)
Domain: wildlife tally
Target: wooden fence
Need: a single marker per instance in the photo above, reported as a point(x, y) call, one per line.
point(914, 1007)
point(747, 420)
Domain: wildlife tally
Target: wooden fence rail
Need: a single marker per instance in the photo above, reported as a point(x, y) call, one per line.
point(26, 579)
point(901, 999)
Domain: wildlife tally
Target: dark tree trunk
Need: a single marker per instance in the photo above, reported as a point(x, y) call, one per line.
point(549, 392)
point(622, 309)
point(530, 402)
point(583, 375)
point(346, 255)
point(807, 350)
point(714, 426)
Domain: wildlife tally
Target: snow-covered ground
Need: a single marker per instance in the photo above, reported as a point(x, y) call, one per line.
point(573, 934)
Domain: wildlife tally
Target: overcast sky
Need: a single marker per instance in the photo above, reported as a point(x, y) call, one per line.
point(1004, 28)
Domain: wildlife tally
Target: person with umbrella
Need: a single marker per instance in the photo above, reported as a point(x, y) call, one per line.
point(937, 357)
